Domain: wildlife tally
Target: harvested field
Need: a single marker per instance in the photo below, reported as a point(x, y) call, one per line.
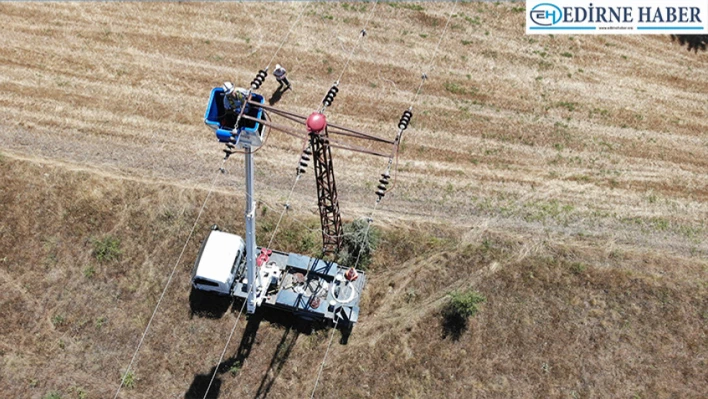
point(563, 178)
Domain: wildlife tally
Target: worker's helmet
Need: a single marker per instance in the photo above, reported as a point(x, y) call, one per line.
point(277, 66)
point(228, 88)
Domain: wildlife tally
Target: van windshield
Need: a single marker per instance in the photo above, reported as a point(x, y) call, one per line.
point(201, 281)
point(238, 258)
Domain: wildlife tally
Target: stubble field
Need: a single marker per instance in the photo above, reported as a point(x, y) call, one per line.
point(562, 177)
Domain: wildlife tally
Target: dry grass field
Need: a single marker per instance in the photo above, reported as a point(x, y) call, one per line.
point(562, 177)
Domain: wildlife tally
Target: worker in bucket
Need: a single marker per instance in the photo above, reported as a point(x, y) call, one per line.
point(280, 75)
point(234, 99)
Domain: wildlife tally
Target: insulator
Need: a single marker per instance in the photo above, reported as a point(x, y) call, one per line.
point(304, 159)
point(405, 119)
point(385, 175)
point(380, 193)
point(258, 80)
point(331, 94)
point(383, 181)
point(382, 187)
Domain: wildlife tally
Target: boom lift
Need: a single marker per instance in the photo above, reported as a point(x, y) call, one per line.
point(311, 288)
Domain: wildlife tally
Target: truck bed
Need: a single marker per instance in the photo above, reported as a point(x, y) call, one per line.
point(311, 288)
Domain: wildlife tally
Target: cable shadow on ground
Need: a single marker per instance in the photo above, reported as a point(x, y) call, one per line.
point(293, 325)
point(200, 384)
point(281, 355)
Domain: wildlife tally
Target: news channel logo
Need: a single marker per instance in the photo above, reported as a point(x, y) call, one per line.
point(617, 17)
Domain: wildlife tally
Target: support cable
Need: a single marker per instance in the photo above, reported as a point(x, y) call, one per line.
point(169, 280)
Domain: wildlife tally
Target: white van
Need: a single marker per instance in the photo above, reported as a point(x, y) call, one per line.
point(218, 261)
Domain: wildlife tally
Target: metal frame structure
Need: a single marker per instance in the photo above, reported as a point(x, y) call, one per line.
point(328, 202)
point(321, 144)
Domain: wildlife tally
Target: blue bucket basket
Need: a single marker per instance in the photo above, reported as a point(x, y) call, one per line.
point(247, 129)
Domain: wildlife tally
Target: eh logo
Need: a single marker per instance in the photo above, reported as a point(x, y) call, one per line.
point(546, 14)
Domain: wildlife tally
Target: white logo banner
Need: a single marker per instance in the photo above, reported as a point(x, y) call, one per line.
point(617, 17)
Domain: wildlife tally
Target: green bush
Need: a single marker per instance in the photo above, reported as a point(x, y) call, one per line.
point(58, 320)
point(129, 379)
point(458, 310)
point(89, 272)
point(359, 243)
point(106, 249)
point(464, 304)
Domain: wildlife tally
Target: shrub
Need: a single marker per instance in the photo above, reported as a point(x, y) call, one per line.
point(235, 368)
point(89, 272)
point(58, 320)
point(106, 249)
point(465, 304)
point(458, 310)
point(129, 379)
point(359, 243)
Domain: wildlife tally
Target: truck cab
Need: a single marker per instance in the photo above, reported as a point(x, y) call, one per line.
point(218, 262)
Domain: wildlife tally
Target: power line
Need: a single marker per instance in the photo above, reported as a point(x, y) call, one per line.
point(287, 35)
point(424, 77)
point(221, 358)
point(169, 280)
point(305, 146)
point(362, 34)
point(285, 208)
point(319, 373)
point(174, 269)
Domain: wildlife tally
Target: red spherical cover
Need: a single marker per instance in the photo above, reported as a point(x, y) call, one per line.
point(316, 122)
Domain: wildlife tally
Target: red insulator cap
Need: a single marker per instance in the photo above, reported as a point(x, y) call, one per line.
point(351, 274)
point(316, 122)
